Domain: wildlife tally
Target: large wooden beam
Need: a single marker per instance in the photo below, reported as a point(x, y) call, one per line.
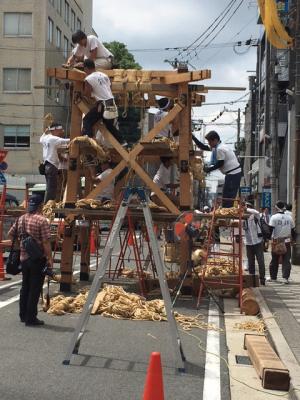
point(71, 194)
point(185, 138)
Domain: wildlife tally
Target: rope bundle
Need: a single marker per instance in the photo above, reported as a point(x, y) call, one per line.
point(114, 302)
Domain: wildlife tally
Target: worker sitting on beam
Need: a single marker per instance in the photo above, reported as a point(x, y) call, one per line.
point(163, 180)
point(89, 47)
point(224, 159)
point(97, 85)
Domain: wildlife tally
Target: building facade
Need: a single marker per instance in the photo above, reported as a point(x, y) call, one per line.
point(270, 115)
point(34, 35)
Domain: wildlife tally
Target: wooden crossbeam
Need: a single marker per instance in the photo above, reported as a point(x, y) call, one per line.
point(162, 77)
point(129, 158)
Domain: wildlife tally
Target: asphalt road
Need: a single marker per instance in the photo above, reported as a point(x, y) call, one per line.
point(112, 360)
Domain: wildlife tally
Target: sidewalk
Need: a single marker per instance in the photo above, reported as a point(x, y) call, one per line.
point(280, 308)
point(284, 301)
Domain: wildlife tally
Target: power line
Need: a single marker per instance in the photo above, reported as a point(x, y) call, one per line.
point(222, 28)
point(211, 32)
point(210, 26)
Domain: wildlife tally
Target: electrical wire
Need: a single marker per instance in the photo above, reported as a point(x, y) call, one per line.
point(221, 29)
point(209, 34)
point(207, 29)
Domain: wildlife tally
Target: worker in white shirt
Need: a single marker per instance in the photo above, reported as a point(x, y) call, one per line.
point(108, 192)
point(163, 180)
point(98, 86)
point(254, 242)
point(89, 47)
point(224, 159)
point(165, 105)
point(62, 175)
point(51, 140)
point(283, 231)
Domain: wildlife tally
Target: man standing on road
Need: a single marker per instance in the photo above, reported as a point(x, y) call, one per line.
point(283, 230)
point(224, 159)
point(254, 243)
point(38, 227)
point(89, 47)
point(265, 215)
point(51, 140)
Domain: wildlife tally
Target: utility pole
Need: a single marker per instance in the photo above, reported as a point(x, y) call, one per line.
point(296, 204)
point(273, 126)
point(239, 132)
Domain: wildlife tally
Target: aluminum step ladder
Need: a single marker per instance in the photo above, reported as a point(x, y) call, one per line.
point(129, 193)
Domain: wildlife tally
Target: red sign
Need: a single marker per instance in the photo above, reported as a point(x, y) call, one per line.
point(3, 154)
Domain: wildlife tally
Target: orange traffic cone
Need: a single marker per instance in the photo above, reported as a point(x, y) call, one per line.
point(93, 241)
point(130, 241)
point(2, 273)
point(154, 389)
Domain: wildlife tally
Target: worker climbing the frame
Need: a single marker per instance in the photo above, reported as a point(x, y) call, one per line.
point(97, 85)
point(224, 159)
point(89, 47)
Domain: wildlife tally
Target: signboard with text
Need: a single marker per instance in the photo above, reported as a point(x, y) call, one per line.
point(266, 199)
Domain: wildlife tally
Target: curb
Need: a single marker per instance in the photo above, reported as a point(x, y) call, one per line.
point(282, 348)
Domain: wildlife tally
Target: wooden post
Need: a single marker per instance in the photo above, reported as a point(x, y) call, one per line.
point(85, 234)
point(71, 195)
point(184, 147)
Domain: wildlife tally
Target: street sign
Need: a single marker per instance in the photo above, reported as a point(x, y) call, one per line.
point(266, 200)
point(3, 154)
point(3, 166)
point(2, 179)
point(245, 191)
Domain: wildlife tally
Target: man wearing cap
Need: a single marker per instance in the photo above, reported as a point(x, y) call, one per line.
point(51, 140)
point(254, 242)
point(224, 159)
point(89, 47)
point(98, 86)
point(38, 227)
point(283, 231)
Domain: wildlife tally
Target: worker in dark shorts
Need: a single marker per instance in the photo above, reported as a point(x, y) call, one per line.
point(37, 226)
point(223, 159)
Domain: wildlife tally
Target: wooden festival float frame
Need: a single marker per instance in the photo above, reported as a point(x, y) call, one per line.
point(129, 87)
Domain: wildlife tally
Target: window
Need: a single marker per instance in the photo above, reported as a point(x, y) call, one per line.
point(59, 6)
point(17, 80)
point(58, 38)
point(67, 13)
point(17, 24)
point(78, 24)
point(16, 135)
point(66, 47)
point(50, 30)
point(73, 21)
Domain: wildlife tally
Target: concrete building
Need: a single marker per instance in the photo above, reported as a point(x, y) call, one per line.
point(34, 35)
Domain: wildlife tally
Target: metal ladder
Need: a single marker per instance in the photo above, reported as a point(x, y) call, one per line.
point(129, 192)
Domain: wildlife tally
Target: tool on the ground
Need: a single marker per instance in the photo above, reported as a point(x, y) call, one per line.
point(129, 193)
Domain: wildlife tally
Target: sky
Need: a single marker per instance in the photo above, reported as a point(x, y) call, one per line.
point(152, 24)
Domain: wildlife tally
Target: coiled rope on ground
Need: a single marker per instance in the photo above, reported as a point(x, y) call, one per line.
point(114, 302)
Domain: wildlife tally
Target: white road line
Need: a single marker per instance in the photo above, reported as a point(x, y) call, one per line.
point(212, 377)
point(10, 284)
point(13, 299)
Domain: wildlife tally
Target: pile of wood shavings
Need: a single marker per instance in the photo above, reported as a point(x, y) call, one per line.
point(254, 326)
point(114, 302)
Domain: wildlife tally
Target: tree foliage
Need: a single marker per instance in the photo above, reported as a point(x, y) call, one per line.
point(122, 57)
